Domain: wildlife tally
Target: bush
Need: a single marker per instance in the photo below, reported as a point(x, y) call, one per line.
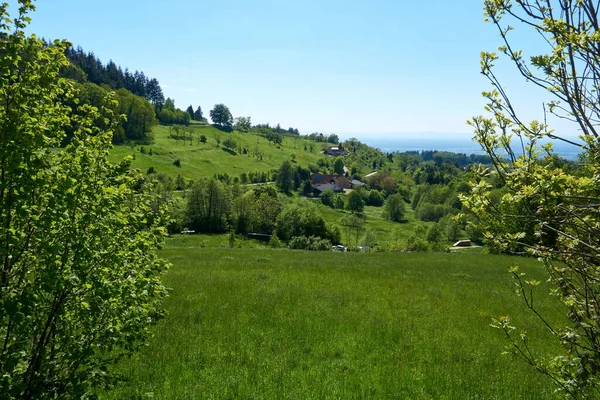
point(177, 163)
point(312, 243)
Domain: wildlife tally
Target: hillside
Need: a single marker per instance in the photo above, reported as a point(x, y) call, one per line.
point(199, 159)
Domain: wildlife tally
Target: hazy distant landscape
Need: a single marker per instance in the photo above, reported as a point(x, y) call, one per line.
point(453, 142)
point(185, 215)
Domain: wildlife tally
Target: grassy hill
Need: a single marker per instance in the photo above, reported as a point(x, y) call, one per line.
point(246, 323)
point(204, 159)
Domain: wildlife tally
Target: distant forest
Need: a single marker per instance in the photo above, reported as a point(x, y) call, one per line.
point(86, 67)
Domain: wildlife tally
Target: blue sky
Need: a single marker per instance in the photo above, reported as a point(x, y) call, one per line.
point(350, 67)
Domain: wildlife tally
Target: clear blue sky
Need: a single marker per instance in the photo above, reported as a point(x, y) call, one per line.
point(349, 67)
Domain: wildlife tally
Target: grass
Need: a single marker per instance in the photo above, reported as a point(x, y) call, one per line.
point(262, 324)
point(204, 159)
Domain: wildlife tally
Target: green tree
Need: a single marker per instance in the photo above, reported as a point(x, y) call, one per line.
point(198, 114)
point(285, 177)
point(355, 202)
point(243, 124)
point(79, 276)
point(139, 116)
point(221, 115)
point(547, 211)
point(338, 166)
point(190, 111)
point(327, 198)
point(169, 105)
point(353, 223)
point(229, 143)
point(394, 208)
point(209, 204)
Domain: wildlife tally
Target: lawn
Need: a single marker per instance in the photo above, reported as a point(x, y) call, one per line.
point(279, 324)
point(204, 159)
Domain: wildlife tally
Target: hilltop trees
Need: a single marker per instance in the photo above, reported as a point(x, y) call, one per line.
point(198, 114)
point(79, 277)
point(548, 211)
point(171, 115)
point(221, 115)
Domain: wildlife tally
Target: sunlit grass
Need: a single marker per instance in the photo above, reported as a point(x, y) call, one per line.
point(204, 159)
point(283, 324)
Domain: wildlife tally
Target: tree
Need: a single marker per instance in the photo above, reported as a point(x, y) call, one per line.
point(355, 202)
point(190, 111)
point(353, 222)
point(139, 116)
point(243, 124)
point(169, 105)
point(229, 143)
point(221, 115)
point(79, 276)
point(209, 203)
point(394, 208)
point(285, 176)
point(548, 212)
point(198, 114)
point(338, 166)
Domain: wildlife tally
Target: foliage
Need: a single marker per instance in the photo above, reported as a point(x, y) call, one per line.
point(221, 115)
point(243, 124)
point(327, 197)
point(314, 243)
point(355, 203)
point(208, 206)
point(338, 166)
point(198, 114)
point(169, 115)
point(139, 116)
point(229, 143)
point(79, 276)
point(91, 69)
point(284, 177)
point(546, 210)
point(394, 208)
point(353, 224)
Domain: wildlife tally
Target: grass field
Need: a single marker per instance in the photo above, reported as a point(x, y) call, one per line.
point(204, 159)
point(278, 324)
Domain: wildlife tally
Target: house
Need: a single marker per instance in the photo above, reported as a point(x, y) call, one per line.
point(323, 179)
point(320, 188)
point(354, 184)
point(334, 151)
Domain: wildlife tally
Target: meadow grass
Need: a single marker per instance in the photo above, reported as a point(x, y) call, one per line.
point(199, 160)
point(279, 324)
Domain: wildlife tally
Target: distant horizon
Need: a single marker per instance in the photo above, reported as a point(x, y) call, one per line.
point(432, 141)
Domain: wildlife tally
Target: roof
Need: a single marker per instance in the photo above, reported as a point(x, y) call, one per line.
point(356, 182)
point(336, 187)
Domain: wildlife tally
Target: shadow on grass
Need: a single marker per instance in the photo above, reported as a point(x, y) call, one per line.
point(226, 150)
point(222, 128)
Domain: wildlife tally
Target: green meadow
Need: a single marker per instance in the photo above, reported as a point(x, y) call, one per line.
point(279, 324)
point(199, 160)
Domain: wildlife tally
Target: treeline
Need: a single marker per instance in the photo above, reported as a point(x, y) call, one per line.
point(214, 206)
point(87, 67)
point(276, 129)
point(324, 138)
point(140, 98)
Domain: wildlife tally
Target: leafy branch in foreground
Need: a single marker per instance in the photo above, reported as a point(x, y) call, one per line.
point(79, 277)
point(539, 205)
